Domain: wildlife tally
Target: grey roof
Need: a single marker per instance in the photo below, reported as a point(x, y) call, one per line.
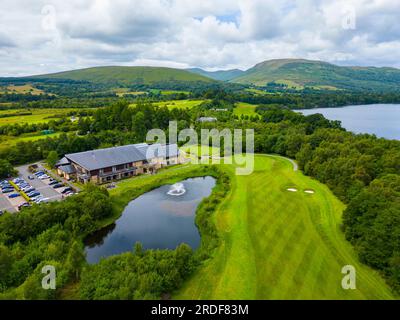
point(67, 169)
point(103, 158)
point(63, 161)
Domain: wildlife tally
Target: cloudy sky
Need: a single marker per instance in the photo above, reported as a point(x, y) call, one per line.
point(53, 35)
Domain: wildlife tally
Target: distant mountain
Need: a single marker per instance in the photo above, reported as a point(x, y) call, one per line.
point(222, 75)
point(300, 73)
point(128, 75)
point(279, 74)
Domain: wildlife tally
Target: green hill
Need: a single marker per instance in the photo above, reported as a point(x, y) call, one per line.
point(222, 75)
point(128, 75)
point(300, 73)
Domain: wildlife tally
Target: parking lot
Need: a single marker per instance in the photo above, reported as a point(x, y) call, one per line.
point(42, 186)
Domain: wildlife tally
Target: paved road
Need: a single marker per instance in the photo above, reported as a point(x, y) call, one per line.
point(5, 204)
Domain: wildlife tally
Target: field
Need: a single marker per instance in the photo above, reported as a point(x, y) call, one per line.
point(290, 84)
point(120, 92)
point(257, 91)
point(23, 89)
point(245, 109)
point(182, 104)
point(277, 244)
point(167, 92)
point(37, 116)
point(7, 141)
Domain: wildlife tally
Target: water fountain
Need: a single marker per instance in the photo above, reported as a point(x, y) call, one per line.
point(177, 189)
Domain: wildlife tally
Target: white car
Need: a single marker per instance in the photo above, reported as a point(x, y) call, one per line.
point(42, 200)
point(34, 199)
point(44, 176)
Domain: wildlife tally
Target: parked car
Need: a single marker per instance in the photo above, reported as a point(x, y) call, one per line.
point(8, 190)
point(43, 200)
point(43, 177)
point(33, 194)
point(31, 177)
point(66, 190)
point(58, 185)
point(38, 173)
point(1, 212)
point(29, 190)
point(13, 195)
point(23, 205)
point(53, 182)
point(35, 199)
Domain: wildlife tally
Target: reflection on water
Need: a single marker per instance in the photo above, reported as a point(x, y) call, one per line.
point(157, 219)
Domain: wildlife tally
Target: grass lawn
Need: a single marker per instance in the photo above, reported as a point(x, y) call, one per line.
point(277, 244)
point(243, 108)
point(37, 116)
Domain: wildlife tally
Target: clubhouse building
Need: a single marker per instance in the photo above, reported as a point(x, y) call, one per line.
point(105, 165)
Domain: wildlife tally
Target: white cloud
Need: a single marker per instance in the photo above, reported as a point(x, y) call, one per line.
point(52, 35)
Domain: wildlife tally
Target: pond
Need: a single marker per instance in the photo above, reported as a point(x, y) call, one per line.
point(380, 119)
point(160, 219)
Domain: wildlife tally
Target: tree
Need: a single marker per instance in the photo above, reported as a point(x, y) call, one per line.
point(139, 126)
point(52, 158)
point(6, 261)
point(75, 259)
point(6, 169)
point(138, 249)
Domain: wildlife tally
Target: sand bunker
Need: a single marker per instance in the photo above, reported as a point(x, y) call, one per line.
point(309, 191)
point(292, 189)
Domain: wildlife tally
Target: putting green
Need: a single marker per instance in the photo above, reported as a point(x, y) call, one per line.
point(277, 244)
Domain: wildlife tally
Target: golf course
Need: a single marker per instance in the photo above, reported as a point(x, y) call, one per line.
point(280, 239)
